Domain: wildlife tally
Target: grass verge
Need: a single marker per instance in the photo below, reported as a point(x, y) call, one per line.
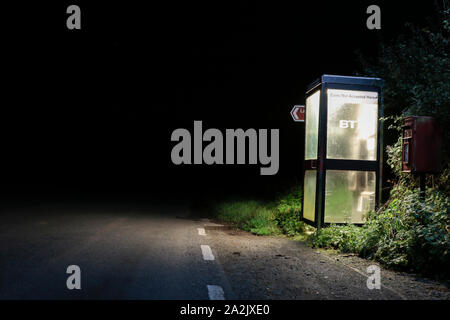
point(281, 216)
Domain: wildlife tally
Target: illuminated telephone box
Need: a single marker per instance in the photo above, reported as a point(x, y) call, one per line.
point(343, 150)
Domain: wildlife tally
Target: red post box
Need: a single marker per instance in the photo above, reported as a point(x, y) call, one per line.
point(422, 145)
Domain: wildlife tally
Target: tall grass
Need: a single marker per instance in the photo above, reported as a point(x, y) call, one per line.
point(264, 218)
point(250, 215)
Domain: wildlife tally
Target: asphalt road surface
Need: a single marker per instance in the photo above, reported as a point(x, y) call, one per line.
point(161, 252)
point(123, 253)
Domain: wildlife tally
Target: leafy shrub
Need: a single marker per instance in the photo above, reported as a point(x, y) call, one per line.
point(432, 234)
point(406, 233)
point(288, 211)
point(344, 238)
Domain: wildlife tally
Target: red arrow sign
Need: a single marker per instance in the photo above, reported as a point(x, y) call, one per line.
point(298, 113)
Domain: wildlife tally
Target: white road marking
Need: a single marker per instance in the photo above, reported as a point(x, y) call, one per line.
point(201, 231)
point(207, 253)
point(215, 292)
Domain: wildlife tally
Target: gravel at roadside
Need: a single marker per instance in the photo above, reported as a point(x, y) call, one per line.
point(279, 268)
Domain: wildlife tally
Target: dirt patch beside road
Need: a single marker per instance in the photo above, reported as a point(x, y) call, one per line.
point(279, 268)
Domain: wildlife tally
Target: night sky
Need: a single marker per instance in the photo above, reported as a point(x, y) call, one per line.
point(92, 111)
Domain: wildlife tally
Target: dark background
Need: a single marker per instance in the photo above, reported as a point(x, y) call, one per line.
point(90, 112)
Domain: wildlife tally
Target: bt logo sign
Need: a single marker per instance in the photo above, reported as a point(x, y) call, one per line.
point(344, 124)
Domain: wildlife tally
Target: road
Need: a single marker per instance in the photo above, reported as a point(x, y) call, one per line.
point(158, 252)
point(123, 253)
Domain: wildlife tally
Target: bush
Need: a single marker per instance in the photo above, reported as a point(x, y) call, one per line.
point(288, 212)
point(344, 238)
point(432, 234)
point(405, 233)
